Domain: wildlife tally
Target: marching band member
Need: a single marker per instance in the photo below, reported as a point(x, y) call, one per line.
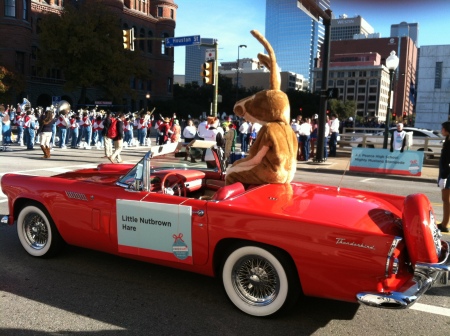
point(74, 129)
point(86, 125)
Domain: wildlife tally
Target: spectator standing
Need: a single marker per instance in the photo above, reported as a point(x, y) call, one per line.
point(398, 139)
point(243, 135)
point(304, 136)
point(106, 140)
point(334, 129)
point(213, 134)
point(118, 140)
point(189, 131)
point(254, 133)
point(444, 177)
point(175, 131)
point(313, 137)
point(230, 140)
point(202, 128)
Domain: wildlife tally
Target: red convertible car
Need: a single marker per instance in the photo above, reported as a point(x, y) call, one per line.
point(267, 243)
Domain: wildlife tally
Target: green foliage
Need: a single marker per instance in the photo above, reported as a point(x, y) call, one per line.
point(85, 42)
point(10, 84)
point(343, 109)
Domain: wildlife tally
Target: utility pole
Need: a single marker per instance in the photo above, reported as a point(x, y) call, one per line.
point(215, 83)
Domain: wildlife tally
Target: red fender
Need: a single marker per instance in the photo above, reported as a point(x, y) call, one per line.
point(420, 230)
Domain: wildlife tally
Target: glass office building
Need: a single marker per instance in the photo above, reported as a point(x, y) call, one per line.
point(294, 35)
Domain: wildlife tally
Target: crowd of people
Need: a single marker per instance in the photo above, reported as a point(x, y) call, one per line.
point(306, 130)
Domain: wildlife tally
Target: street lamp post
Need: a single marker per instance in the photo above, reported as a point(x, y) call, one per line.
point(237, 71)
point(391, 64)
point(147, 97)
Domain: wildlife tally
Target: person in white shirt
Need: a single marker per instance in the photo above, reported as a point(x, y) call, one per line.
point(398, 139)
point(243, 135)
point(202, 128)
point(334, 129)
point(305, 133)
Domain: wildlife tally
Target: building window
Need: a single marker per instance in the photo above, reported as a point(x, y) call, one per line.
point(438, 76)
point(172, 14)
point(351, 82)
point(169, 84)
point(362, 82)
point(160, 11)
point(142, 41)
point(340, 82)
point(10, 8)
point(25, 10)
point(150, 42)
point(164, 50)
point(373, 81)
point(20, 62)
point(362, 74)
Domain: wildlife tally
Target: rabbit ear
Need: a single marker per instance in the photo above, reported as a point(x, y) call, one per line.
point(271, 60)
point(264, 60)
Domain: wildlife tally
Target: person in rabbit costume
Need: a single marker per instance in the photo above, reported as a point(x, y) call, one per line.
point(272, 157)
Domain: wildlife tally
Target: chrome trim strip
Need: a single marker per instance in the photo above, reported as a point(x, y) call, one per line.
point(5, 220)
point(425, 275)
point(394, 245)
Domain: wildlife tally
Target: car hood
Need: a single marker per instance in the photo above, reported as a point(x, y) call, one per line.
point(326, 205)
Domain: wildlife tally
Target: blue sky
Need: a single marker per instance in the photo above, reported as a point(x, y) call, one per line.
point(230, 21)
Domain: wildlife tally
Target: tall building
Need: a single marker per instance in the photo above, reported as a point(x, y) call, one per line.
point(345, 28)
point(357, 69)
point(433, 87)
point(195, 57)
point(19, 41)
point(410, 30)
point(294, 35)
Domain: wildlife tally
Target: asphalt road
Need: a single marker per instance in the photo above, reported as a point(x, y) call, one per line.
point(83, 292)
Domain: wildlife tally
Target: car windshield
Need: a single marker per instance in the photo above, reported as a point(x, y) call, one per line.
point(199, 155)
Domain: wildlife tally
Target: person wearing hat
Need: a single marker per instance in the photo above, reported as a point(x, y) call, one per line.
point(163, 131)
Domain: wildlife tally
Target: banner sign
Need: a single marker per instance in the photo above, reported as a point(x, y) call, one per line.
point(155, 230)
point(386, 162)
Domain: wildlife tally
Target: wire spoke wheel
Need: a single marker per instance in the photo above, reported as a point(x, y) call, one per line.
point(256, 280)
point(35, 231)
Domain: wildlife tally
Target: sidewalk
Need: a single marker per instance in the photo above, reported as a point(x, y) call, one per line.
point(341, 163)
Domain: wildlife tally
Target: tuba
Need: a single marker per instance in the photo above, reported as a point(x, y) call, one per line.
point(62, 106)
point(25, 104)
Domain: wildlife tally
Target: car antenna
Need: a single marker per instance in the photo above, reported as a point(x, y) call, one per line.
point(342, 177)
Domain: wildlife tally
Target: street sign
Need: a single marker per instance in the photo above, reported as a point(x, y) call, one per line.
point(210, 55)
point(56, 100)
point(182, 41)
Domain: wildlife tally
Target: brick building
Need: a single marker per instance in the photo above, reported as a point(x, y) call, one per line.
point(19, 43)
point(357, 68)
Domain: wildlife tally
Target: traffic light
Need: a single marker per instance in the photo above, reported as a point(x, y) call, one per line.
point(332, 93)
point(394, 116)
point(208, 72)
point(128, 39)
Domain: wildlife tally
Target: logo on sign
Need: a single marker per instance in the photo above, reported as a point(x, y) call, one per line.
point(210, 55)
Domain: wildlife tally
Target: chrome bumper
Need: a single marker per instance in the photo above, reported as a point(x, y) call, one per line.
point(4, 220)
point(424, 277)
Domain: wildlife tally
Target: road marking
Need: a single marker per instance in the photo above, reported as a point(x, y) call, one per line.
point(431, 309)
point(368, 179)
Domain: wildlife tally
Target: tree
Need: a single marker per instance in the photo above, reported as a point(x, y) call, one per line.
point(85, 43)
point(10, 84)
point(344, 110)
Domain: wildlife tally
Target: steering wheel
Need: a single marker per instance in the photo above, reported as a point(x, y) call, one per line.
point(177, 185)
